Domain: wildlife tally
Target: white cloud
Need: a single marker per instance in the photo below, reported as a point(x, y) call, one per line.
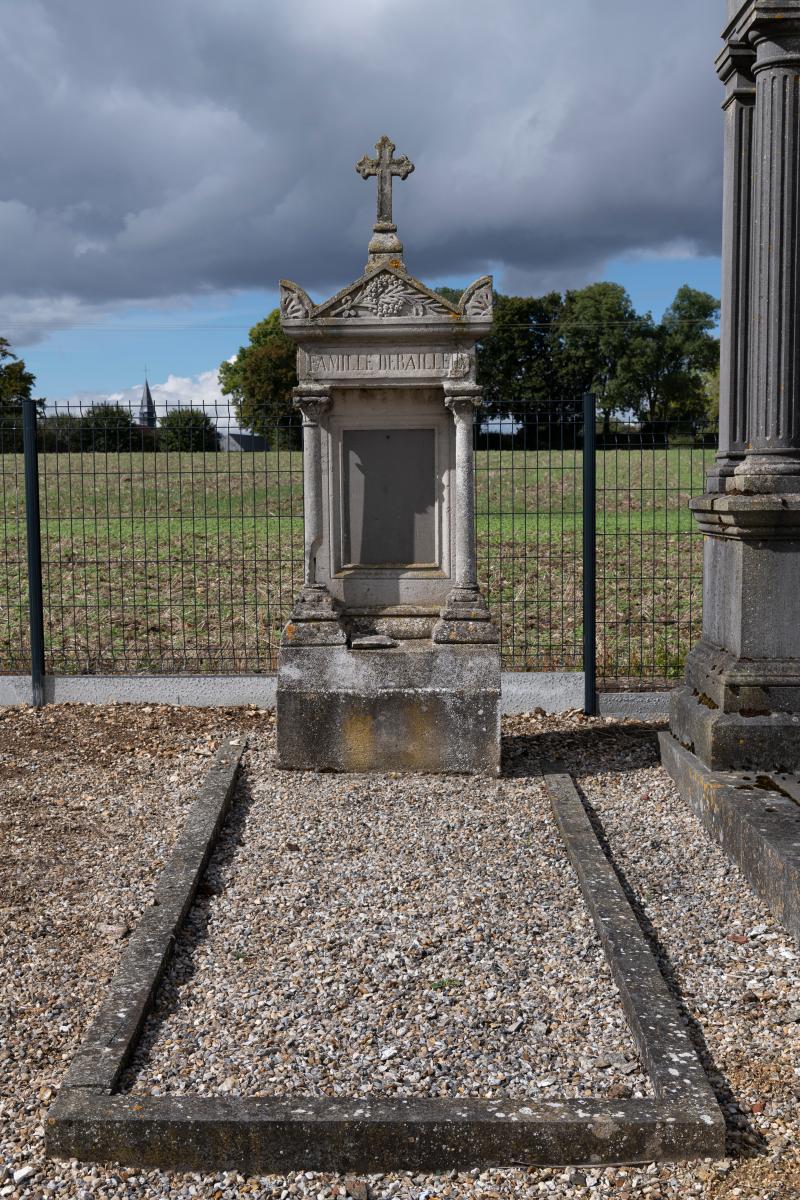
point(177, 391)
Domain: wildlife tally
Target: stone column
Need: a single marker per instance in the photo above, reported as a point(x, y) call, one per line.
point(734, 67)
point(465, 616)
point(772, 460)
point(463, 410)
point(314, 619)
point(312, 405)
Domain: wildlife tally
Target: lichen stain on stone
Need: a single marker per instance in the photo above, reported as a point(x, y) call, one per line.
point(359, 742)
point(420, 731)
point(604, 1127)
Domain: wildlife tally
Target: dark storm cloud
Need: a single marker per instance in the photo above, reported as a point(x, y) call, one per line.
point(156, 150)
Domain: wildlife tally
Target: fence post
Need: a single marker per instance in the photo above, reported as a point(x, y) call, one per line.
point(589, 556)
point(34, 534)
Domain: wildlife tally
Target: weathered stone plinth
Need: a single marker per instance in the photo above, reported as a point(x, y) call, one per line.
point(740, 708)
point(415, 706)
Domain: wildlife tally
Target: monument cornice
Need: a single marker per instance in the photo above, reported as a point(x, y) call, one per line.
point(734, 65)
point(760, 18)
point(760, 517)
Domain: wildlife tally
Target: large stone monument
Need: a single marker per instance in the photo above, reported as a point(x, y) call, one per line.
point(736, 723)
point(740, 708)
point(390, 660)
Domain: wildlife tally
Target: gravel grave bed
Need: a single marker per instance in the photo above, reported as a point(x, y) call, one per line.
point(92, 800)
point(399, 935)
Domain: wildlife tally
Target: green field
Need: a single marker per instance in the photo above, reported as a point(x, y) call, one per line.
point(189, 562)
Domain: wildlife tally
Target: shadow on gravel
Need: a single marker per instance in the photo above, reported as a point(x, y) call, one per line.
point(587, 750)
point(592, 750)
point(181, 970)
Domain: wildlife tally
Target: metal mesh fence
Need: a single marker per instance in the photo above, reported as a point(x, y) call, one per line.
point(15, 647)
point(529, 522)
point(178, 549)
point(649, 554)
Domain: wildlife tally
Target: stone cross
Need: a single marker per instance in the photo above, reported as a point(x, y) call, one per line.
point(384, 165)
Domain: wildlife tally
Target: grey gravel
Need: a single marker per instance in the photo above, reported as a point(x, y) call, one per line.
point(396, 935)
point(91, 801)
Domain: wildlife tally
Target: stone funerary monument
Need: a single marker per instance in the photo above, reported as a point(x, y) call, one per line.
point(735, 744)
point(390, 660)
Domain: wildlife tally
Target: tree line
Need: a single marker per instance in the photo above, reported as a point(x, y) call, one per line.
point(541, 349)
point(108, 428)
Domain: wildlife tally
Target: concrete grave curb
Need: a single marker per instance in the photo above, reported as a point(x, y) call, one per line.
point(754, 817)
point(262, 1135)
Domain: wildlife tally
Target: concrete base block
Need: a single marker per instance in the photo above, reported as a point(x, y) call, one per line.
point(412, 707)
point(726, 741)
point(753, 817)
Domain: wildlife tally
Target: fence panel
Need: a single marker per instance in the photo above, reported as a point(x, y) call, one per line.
point(649, 555)
point(529, 501)
point(15, 645)
point(179, 549)
point(174, 551)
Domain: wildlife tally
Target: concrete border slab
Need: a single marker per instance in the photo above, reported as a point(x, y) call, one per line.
point(262, 1135)
point(755, 819)
point(521, 691)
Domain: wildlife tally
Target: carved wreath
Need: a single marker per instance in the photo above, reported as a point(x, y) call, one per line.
point(387, 296)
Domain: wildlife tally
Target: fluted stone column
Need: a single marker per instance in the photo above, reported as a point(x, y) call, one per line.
point(314, 619)
point(734, 67)
point(772, 461)
point(465, 616)
point(311, 406)
point(740, 708)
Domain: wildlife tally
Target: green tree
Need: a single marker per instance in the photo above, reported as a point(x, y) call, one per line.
point(519, 363)
point(16, 385)
point(596, 328)
point(187, 429)
point(61, 433)
point(665, 370)
point(260, 381)
point(109, 428)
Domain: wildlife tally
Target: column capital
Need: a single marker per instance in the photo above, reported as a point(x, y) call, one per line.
point(773, 27)
point(463, 403)
point(734, 65)
point(312, 403)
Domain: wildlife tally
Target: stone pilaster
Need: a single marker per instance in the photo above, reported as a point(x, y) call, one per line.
point(772, 460)
point(315, 618)
point(734, 67)
point(465, 616)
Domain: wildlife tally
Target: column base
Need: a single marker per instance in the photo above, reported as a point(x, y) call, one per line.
point(315, 620)
point(735, 741)
point(721, 476)
point(465, 618)
point(767, 474)
point(740, 708)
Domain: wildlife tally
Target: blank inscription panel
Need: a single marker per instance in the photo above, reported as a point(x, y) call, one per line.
point(389, 497)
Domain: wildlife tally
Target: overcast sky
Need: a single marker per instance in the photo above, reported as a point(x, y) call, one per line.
point(163, 164)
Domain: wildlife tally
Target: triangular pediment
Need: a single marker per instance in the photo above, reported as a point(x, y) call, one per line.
point(387, 293)
point(384, 293)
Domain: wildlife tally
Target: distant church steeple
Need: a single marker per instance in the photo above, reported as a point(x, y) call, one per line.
point(147, 409)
